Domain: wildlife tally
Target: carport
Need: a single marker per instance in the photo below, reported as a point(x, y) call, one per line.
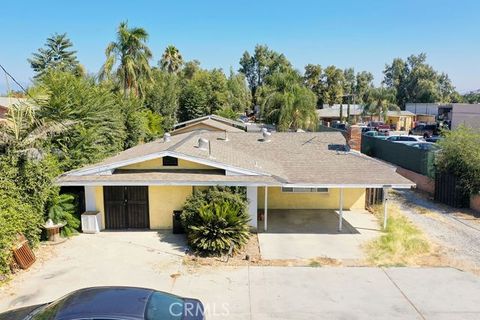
point(308, 234)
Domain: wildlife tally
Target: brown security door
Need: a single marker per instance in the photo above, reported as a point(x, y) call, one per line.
point(137, 207)
point(126, 207)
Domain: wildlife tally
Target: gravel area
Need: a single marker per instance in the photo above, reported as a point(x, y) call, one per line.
point(455, 230)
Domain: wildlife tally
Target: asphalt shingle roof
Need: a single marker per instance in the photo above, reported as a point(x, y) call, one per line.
point(288, 158)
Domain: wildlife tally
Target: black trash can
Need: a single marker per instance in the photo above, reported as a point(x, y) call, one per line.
point(177, 222)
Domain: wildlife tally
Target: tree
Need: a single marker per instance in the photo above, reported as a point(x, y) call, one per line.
point(25, 134)
point(205, 93)
point(364, 83)
point(287, 103)
point(348, 90)
point(380, 101)
point(333, 85)
point(162, 96)
point(416, 81)
point(313, 80)
point(98, 130)
point(239, 97)
point(132, 54)
point(171, 60)
point(262, 63)
point(56, 55)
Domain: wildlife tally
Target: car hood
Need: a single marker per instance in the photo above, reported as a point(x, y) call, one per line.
point(19, 314)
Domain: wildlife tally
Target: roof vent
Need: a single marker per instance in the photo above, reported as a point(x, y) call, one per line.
point(203, 144)
point(167, 137)
point(266, 135)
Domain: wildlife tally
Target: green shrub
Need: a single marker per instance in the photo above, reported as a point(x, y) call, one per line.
point(61, 210)
point(16, 216)
point(215, 220)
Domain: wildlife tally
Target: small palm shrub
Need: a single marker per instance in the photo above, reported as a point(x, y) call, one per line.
point(215, 220)
point(61, 210)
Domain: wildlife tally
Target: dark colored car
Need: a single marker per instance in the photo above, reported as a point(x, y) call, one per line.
point(339, 126)
point(113, 303)
point(426, 130)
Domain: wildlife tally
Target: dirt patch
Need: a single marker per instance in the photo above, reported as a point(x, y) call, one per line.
point(43, 253)
point(250, 256)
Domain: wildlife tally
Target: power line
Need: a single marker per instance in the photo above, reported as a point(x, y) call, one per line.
point(17, 83)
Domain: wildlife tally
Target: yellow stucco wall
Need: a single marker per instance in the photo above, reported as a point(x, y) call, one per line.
point(157, 164)
point(401, 121)
point(352, 199)
point(162, 201)
point(99, 203)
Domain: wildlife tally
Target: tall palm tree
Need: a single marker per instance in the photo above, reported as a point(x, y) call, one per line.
point(132, 54)
point(23, 133)
point(380, 101)
point(171, 60)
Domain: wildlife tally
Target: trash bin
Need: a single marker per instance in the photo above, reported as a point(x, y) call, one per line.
point(177, 222)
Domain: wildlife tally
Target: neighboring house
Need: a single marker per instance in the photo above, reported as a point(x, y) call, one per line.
point(210, 123)
point(6, 103)
point(330, 114)
point(401, 120)
point(142, 186)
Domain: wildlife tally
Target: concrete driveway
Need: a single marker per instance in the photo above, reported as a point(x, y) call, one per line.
point(306, 234)
point(142, 259)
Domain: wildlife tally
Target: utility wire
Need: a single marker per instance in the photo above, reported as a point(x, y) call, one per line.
point(16, 82)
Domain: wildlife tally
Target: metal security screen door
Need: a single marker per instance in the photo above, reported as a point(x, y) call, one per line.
point(126, 207)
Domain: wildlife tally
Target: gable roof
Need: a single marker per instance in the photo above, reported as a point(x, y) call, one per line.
point(334, 111)
point(289, 158)
point(213, 124)
point(213, 117)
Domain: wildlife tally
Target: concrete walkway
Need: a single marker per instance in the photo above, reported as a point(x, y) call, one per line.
point(143, 259)
point(307, 234)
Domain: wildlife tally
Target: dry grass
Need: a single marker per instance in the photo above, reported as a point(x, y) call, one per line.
point(401, 244)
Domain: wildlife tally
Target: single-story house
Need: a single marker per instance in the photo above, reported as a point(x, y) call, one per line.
point(330, 114)
point(401, 120)
point(210, 123)
point(142, 186)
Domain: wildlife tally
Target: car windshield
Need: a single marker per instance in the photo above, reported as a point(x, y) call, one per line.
point(164, 306)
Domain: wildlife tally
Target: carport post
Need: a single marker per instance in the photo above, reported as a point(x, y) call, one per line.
point(265, 211)
point(340, 213)
point(385, 211)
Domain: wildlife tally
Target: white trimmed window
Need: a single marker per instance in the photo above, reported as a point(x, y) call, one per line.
point(304, 190)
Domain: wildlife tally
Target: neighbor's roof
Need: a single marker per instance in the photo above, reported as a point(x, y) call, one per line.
point(334, 111)
point(288, 158)
point(212, 117)
point(215, 125)
point(10, 101)
point(400, 113)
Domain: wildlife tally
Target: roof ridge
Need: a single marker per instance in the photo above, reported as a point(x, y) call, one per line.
point(182, 141)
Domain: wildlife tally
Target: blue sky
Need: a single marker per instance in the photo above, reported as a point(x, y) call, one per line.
point(360, 34)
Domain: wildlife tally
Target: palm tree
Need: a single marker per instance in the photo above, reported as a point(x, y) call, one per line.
point(132, 54)
point(24, 134)
point(379, 102)
point(171, 60)
point(289, 104)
